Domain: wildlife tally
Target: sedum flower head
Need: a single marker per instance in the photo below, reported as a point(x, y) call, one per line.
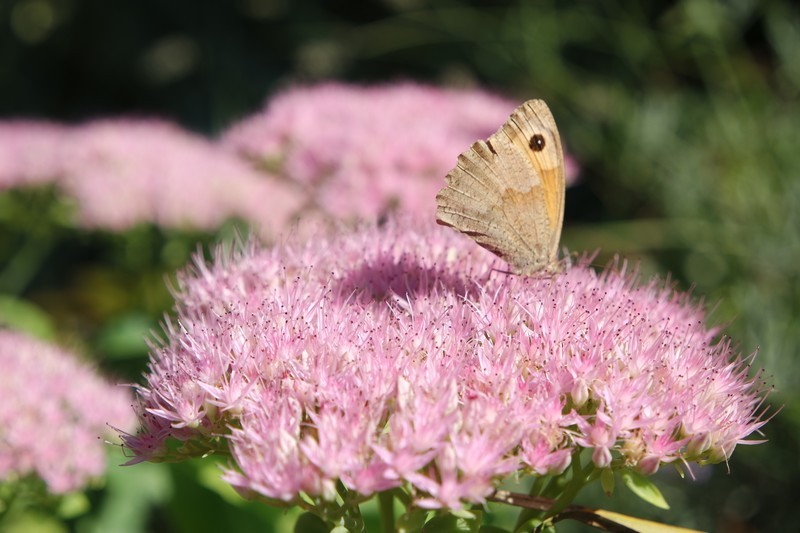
point(122, 172)
point(399, 357)
point(54, 414)
point(387, 145)
point(30, 152)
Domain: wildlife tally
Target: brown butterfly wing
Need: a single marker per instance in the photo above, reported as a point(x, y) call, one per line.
point(507, 193)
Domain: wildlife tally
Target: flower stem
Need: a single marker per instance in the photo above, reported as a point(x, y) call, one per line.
point(386, 506)
point(544, 486)
point(580, 476)
point(538, 487)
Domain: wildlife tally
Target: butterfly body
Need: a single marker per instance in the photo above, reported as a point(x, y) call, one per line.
point(507, 192)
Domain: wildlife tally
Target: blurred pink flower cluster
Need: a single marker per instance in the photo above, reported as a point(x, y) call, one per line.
point(54, 414)
point(364, 151)
point(361, 151)
point(397, 356)
point(331, 151)
point(125, 172)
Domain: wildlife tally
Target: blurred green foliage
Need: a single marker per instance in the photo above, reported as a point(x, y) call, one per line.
point(684, 117)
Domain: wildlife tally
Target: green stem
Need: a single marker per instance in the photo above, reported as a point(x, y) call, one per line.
point(386, 506)
point(539, 488)
point(402, 496)
point(342, 491)
point(546, 487)
point(554, 487)
point(352, 519)
point(580, 476)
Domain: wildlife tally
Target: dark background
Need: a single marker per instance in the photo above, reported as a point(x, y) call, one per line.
point(683, 117)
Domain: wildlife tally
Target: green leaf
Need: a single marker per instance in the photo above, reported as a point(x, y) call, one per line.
point(641, 526)
point(124, 338)
point(73, 505)
point(607, 481)
point(538, 525)
point(411, 521)
point(209, 475)
point(132, 492)
point(492, 529)
point(644, 488)
point(310, 523)
point(25, 316)
point(448, 523)
point(467, 514)
point(28, 522)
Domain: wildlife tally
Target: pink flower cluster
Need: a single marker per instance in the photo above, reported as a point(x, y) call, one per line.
point(398, 356)
point(364, 151)
point(30, 153)
point(333, 151)
point(54, 414)
point(124, 172)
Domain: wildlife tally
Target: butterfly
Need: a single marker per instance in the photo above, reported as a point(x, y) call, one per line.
point(507, 192)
